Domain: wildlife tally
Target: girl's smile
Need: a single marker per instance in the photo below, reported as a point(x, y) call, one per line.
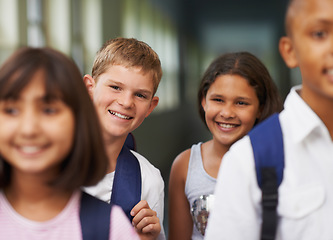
point(231, 108)
point(36, 133)
point(30, 150)
point(227, 126)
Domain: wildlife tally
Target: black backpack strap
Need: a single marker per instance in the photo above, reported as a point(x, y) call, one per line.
point(126, 189)
point(267, 144)
point(95, 218)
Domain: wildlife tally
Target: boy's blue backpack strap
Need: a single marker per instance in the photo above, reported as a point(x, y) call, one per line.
point(267, 144)
point(130, 142)
point(95, 218)
point(126, 189)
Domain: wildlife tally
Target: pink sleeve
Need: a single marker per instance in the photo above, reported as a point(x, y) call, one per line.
point(121, 227)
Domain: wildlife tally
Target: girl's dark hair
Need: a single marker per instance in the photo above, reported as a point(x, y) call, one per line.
point(249, 67)
point(87, 162)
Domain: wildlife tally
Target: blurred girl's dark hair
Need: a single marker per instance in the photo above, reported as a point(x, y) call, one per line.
point(86, 163)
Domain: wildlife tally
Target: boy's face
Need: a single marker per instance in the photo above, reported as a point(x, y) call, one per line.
point(310, 47)
point(123, 98)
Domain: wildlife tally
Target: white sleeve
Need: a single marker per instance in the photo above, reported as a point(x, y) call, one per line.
point(159, 208)
point(236, 213)
point(152, 189)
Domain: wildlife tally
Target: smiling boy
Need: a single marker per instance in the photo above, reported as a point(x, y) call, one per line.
point(305, 196)
point(125, 76)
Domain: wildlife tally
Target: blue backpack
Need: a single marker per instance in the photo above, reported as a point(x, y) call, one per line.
point(95, 218)
point(126, 189)
point(267, 143)
point(126, 193)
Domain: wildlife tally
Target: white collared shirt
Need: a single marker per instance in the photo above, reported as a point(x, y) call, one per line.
point(305, 206)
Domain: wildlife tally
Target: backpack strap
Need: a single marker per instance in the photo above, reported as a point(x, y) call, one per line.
point(95, 218)
point(126, 189)
point(130, 141)
point(267, 144)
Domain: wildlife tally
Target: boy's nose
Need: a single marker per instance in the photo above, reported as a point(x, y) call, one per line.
point(125, 100)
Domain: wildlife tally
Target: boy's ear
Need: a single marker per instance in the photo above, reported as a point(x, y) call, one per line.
point(287, 52)
point(153, 104)
point(90, 84)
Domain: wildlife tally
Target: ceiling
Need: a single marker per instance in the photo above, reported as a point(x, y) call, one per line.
point(204, 20)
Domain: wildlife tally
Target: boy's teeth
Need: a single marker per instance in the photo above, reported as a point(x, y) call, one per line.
point(119, 115)
point(226, 125)
point(330, 71)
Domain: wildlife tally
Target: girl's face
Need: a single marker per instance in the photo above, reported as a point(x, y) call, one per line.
point(36, 134)
point(231, 108)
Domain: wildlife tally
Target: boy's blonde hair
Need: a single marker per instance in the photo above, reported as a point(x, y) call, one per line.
point(128, 52)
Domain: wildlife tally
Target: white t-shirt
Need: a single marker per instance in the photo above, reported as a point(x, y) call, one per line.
point(305, 195)
point(152, 188)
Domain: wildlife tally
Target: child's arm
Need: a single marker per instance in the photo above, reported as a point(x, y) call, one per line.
point(145, 221)
point(180, 219)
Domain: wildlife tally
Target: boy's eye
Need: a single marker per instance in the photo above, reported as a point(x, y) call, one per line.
point(319, 34)
point(115, 87)
point(217, 100)
point(141, 95)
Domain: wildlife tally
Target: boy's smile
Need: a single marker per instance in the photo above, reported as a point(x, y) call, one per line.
point(119, 115)
point(123, 98)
